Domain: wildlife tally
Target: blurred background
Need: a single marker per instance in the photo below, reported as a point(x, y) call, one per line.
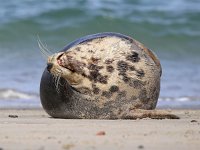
point(170, 28)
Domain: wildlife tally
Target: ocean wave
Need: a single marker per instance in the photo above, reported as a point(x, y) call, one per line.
point(10, 94)
point(179, 103)
point(56, 20)
point(154, 11)
point(10, 98)
point(13, 10)
point(179, 99)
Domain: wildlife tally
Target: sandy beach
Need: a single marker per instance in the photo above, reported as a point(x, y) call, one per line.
point(34, 129)
point(33, 30)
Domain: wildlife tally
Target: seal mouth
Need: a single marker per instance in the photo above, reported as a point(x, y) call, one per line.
point(61, 60)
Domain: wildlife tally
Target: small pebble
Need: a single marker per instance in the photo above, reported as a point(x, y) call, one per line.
point(101, 133)
point(68, 146)
point(6, 138)
point(140, 146)
point(193, 121)
point(51, 137)
point(13, 116)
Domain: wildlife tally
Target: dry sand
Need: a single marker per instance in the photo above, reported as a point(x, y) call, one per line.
point(35, 130)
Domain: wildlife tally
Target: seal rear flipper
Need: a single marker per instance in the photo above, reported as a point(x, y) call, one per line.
point(153, 114)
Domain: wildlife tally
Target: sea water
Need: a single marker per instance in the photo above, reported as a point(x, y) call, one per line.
point(170, 28)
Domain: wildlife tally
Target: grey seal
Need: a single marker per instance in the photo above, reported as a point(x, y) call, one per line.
point(102, 76)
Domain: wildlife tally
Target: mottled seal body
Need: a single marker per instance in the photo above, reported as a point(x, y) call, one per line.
point(101, 76)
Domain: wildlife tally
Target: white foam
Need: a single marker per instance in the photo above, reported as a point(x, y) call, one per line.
point(179, 99)
point(13, 94)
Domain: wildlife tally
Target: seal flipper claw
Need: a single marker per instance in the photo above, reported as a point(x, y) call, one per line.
point(153, 114)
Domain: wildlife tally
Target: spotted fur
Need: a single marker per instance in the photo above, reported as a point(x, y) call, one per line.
point(114, 71)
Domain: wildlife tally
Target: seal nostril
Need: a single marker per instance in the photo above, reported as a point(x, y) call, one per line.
point(49, 66)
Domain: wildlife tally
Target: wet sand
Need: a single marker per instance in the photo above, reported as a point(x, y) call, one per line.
point(35, 130)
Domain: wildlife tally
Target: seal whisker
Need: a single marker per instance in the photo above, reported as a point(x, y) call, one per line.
point(43, 48)
point(57, 82)
point(59, 71)
point(44, 53)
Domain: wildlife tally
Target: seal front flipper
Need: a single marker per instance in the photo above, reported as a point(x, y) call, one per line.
point(153, 114)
